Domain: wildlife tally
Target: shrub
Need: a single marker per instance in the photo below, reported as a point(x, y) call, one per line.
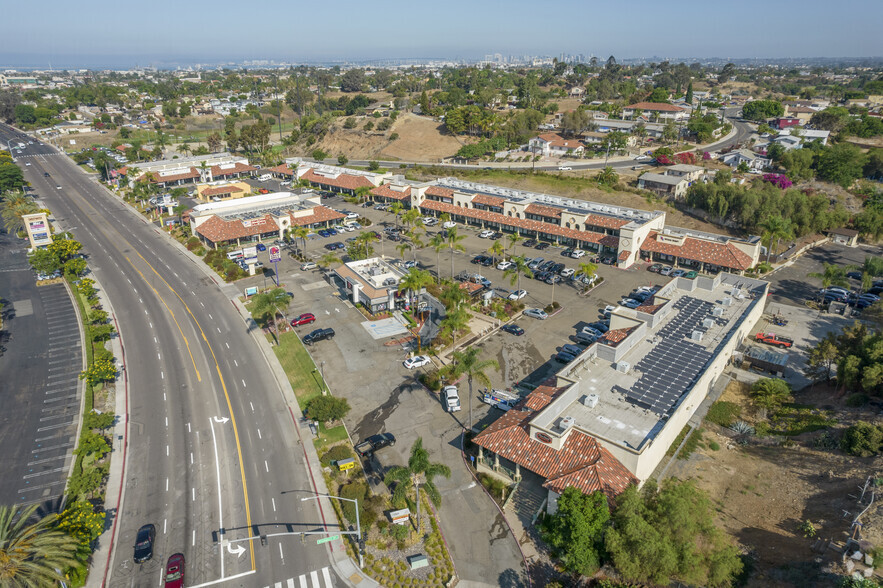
point(354, 491)
point(714, 446)
point(336, 453)
point(723, 413)
point(393, 136)
point(327, 408)
point(431, 380)
point(857, 399)
point(862, 439)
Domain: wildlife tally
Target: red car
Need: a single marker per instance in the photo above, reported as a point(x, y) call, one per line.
point(175, 571)
point(304, 319)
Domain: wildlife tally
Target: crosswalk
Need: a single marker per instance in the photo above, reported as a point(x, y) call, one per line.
point(302, 581)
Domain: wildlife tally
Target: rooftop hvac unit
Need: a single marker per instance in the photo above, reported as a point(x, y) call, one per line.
point(736, 292)
point(708, 323)
point(696, 336)
point(590, 400)
point(727, 301)
point(623, 367)
point(567, 422)
point(718, 311)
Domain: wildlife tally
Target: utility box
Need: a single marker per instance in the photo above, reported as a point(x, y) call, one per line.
point(399, 517)
point(418, 561)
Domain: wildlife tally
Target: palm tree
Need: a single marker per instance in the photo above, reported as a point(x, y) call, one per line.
point(32, 550)
point(455, 320)
point(518, 269)
point(495, 250)
point(402, 247)
point(414, 281)
point(363, 192)
point(419, 471)
point(438, 243)
point(466, 363)
point(833, 275)
point(14, 207)
point(416, 241)
point(514, 239)
point(412, 217)
point(269, 304)
point(301, 233)
point(775, 228)
point(588, 269)
point(452, 295)
point(327, 261)
point(364, 241)
point(454, 245)
point(607, 177)
point(396, 209)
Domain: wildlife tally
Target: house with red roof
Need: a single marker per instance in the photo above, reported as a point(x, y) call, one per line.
point(554, 145)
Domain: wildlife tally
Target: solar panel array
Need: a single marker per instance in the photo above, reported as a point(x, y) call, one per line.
point(675, 362)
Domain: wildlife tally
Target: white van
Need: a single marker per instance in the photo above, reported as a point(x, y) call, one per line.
point(266, 177)
point(234, 255)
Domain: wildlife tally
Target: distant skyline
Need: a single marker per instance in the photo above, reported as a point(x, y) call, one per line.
point(123, 35)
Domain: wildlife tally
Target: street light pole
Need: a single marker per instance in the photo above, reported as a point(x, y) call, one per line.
point(358, 531)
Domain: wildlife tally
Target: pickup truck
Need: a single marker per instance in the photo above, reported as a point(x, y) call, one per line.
point(375, 442)
point(774, 340)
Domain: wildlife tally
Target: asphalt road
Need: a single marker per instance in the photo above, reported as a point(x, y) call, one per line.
point(40, 365)
point(212, 445)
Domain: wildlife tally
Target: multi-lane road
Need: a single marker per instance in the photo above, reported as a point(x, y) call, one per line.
point(212, 448)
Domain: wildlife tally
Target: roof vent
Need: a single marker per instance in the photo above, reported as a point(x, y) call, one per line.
point(718, 311)
point(567, 422)
point(696, 336)
point(590, 400)
point(623, 367)
point(727, 301)
point(736, 292)
point(708, 323)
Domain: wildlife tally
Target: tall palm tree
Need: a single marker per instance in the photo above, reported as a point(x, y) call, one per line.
point(402, 247)
point(455, 321)
point(518, 269)
point(833, 275)
point(416, 241)
point(466, 363)
point(396, 209)
point(775, 228)
point(14, 207)
point(419, 472)
point(364, 241)
point(514, 239)
point(495, 250)
point(327, 261)
point(33, 552)
point(269, 304)
point(301, 233)
point(412, 217)
point(454, 245)
point(438, 242)
point(363, 193)
point(414, 281)
point(588, 269)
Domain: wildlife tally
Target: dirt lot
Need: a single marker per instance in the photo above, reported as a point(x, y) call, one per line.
point(764, 492)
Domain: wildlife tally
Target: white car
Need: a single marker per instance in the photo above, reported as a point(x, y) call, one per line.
point(352, 215)
point(58, 187)
point(504, 265)
point(566, 272)
point(308, 266)
point(565, 168)
point(518, 295)
point(536, 313)
point(27, 164)
point(452, 398)
point(577, 253)
point(642, 158)
point(417, 361)
point(449, 225)
point(485, 234)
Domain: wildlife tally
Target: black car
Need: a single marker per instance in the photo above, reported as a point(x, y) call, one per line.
point(45, 174)
point(375, 442)
point(601, 327)
point(496, 235)
point(541, 246)
point(541, 276)
point(487, 261)
point(318, 335)
point(514, 329)
point(567, 252)
point(556, 268)
point(530, 243)
point(854, 275)
point(478, 258)
point(144, 543)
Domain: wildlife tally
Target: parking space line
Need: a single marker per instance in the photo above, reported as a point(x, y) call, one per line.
point(47, 472)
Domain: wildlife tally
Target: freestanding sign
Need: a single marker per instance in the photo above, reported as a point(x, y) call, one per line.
point(275, 256)
point(37, 226)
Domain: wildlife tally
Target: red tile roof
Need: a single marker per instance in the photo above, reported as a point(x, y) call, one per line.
point(439, 191)
point(387, 192)
point(282, 169)
point(720, 254)
point(648, 306)
point(237, 168)
point(320, 215)
point(218, 230)
point(614, 337)
point(488, 200)
point(539, 209)
point(540, 398)
point(624, 254)
point(158, 179)
point(581, 462)
point(557, 140)
point(607, 222)
point(342, 181)
point(655, 106)
point(522, 223)
point(221, 190)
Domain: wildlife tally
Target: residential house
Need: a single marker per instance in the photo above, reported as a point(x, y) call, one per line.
point(691, 173)
point(783, 122)
point(554, 145)
point(664, 185)
point(753, 160)
point(659, 110)
point(807, 135)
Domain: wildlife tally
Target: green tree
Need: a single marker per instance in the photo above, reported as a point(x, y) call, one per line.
point(841, 164)
point(419, 472)
point(13, 208)
point(833, 275)
point(576, 531)
point(775, 228)
point(770, 393)
point(822, 359)
point(44, 261)
point(759, 110)
point(11, 177)
point(327, 408)
point(689, 97)
point(519, 268)
point(607, 177)
point(862, 439)
point(496, 249)
point(267, 305)
point(33, 552)
point(342, 159)
point(414, 281)
point(466, 363)
point(101, 370)
point(64, 249)
point(438, 242)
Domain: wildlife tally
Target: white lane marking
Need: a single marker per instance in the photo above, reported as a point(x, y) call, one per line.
point(266, 466)
point(303, 581)
point(218, 475)
point(314, 576)
point(274, 504)
point(290, 583)
point(167, 484)
point(193, 293)
point(278, 584)
point(252, 406)
point(167, 422)
point(282, 557)
point(167, 450)
point(163, 394)
point(210, 316)
point(188, 427)
point(236, 363)
point(213, 582)
point(193, 541)
point(162, 376)
point(327, 576)
point(259, 434)
point(158, 356)
point(151, 324)
point(191, 458)
point(227, 344)
point(193, 493)
point(141, 300)
point(164, 521)
point(244, 385)
point(154, 340)
point(202, 305)
point(219, 329)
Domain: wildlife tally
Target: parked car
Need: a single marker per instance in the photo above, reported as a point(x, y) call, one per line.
point(452, 398)
point(854, 275)
point(308, 265)
point(574, 350)
point(144, 541)
point(592, 331)
point(564, 357)
point(691, 275)
point(552, 278)
point(536, 263)
point(514, 329)
point(665, 270)
point(375, 442)
point(541, 246)
point(318, 335)
point(517, 294)
point(485, 234)
point(352, 215)
point(565, 168)
point(599, 326)
point(567, 272)
point(631, 303)
point(530, 243)
point(175, 571)
point(504, 265)
point(536, 313)
point(261, 247)
point(449, 225)
point(585, 338)
point(478, 258)
point(417, 361)
point(497, 235)
point(409, 264)
point(307, 318)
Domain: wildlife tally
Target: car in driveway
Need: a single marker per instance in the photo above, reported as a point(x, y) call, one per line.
point(517, 294)
point(318, 335)
point(537, 313)
point(174, 577)
point(513, 329)
point(417, 361)
point(144, 541)
point(375, 442)
point(307, 318)
point(504, 265)
point(451, 398)
point(261, 247)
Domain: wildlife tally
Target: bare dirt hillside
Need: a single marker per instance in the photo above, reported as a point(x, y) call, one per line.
point(420, 139)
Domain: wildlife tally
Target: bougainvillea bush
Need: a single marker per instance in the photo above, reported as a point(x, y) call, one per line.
point(778, 180)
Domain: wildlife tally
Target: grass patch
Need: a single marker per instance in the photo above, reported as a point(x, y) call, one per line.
point(302, 373)
point(674, 444)
point(795, 419)
point(693, 442)
point(724, 413)
point(329, 436)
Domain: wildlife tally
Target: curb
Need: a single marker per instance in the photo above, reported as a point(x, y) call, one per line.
point(82, 387)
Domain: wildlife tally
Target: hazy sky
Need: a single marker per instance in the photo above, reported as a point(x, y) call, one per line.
point(125, 33)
